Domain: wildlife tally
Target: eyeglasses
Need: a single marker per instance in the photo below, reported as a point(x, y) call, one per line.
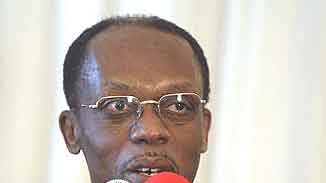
point(177, 107)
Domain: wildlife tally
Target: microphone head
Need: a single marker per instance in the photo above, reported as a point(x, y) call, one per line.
point(167, 177)
point(118, 181)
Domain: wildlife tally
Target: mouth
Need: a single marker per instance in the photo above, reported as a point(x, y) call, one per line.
point(142, 167)
point(147, 171)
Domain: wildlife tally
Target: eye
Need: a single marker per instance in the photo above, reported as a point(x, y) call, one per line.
point(115, 106)
point(119, 105)
point(178, 107)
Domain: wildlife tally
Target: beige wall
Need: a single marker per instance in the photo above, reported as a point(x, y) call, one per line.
point(268, 98)
point(271, 123)
point(26, 90)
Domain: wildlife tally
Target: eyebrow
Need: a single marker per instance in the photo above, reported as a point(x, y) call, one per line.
point(116, 85)
point(176, 87)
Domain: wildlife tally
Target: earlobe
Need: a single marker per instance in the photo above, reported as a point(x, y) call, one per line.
point(205, 129)
point(69, 127)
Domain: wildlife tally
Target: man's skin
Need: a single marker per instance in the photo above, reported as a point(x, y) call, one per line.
point(146, 63)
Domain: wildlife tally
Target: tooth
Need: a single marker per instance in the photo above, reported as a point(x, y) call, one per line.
point(154, 170)
point(143, 169)
point(152, 174)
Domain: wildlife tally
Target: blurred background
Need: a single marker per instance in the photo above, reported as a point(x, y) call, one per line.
point(268, 77)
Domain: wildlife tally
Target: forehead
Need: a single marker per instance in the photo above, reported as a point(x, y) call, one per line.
point(142, 57)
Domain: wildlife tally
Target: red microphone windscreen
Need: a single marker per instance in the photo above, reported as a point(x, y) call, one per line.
point(167, 177)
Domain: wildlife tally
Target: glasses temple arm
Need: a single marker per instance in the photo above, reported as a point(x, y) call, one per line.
point(89, 106)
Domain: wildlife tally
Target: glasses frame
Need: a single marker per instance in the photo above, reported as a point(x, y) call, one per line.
point(139, 111)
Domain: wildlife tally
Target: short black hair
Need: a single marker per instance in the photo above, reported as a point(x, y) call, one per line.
point(77, 51)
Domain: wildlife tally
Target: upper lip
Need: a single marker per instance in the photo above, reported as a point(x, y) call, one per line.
point(158, 163)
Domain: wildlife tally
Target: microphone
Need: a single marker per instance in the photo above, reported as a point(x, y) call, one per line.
point(118, 181)
point(167, 177)
point(163, 177)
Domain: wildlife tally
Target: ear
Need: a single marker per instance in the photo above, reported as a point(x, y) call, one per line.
point(70, 130)
point(205, 129)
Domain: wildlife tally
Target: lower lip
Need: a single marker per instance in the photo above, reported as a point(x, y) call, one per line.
point(137, 177)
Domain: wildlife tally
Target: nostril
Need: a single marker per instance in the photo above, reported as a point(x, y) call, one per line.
point(148, 139)
point(151, 141)
point(140, 141)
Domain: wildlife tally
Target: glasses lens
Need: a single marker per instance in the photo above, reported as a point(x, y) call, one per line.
point(118, 108)
point(179, 107)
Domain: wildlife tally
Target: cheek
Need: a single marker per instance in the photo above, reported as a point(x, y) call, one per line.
point(188, 135)
point(187, 148)
point(102, 144)
point(106, 139)
point(102, 134)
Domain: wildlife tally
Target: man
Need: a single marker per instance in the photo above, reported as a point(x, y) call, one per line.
point(137, 89)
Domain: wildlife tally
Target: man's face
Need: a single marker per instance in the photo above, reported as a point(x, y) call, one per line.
point(145, 63)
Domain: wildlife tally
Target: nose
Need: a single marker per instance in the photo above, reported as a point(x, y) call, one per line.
point(149, 129)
